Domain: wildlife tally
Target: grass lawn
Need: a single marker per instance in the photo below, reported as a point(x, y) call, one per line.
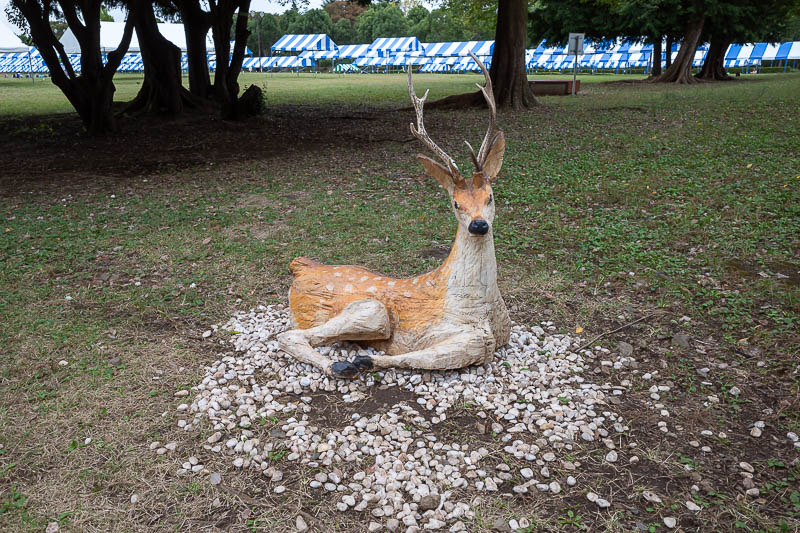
point(23, 97)
point(679, 204)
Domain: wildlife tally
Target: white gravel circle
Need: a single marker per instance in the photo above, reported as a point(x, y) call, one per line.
point(536, 399)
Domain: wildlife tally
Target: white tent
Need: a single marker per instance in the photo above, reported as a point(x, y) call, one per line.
point(111, 35)
point(9, 42)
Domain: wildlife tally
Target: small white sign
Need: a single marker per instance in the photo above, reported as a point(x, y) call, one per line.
point(575, 44)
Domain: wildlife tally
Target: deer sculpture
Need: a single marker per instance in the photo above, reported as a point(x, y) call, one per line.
point(449, 318)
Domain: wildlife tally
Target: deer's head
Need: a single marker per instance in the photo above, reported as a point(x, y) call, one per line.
point(472, 199)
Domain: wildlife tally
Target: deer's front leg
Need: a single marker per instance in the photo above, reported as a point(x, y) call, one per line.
point(462, 349)
point(361, 320)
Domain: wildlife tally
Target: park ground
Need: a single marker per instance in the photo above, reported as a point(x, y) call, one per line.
point(677, 207)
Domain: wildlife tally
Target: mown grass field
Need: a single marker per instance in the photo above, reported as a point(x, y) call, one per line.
point(24, 97)
point(679, 204)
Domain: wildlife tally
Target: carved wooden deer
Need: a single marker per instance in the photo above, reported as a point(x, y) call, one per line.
point(449, 318)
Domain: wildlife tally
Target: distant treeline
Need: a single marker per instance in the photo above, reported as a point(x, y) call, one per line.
point(349, 23)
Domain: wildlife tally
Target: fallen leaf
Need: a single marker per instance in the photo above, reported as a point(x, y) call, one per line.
point(207, 240)
point(578, 330)
point(749, 165)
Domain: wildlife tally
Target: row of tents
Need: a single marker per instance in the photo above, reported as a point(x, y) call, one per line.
point(295, 52)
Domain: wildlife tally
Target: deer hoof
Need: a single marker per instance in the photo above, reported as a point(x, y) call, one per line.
point(363, 362)
point(343, 369)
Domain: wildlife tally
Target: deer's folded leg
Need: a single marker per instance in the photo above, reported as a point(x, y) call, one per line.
point(365, 319)
point(458, 351)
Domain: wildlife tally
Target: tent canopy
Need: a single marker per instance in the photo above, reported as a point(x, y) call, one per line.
point(301, 42)
point(9, 42)
point(349, 51)
point(385, 46)
point(111, 35)
point(461, 49)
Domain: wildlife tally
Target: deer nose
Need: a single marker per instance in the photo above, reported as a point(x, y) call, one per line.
point(478, 227)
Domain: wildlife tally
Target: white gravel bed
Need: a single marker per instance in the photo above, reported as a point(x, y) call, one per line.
point(536, 397)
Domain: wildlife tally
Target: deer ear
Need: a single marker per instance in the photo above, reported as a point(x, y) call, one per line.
point(436, 170)
point(494, 159)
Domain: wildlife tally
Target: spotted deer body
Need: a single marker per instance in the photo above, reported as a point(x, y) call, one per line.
point(451, 317)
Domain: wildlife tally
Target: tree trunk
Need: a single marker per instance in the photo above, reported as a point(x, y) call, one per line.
point(226, 85)
point(670, 42)
point(714, 64)
point(91, 92)
point(656, 57)
point(508, 73)
point(196, 23)
point(161, 90)
point(680, 70)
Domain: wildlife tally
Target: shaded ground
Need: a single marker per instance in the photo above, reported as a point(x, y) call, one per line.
point(678, 204)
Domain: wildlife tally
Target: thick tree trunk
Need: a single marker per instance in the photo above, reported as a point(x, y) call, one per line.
point(91, 92)
point(656, 57)
point(509, 77)
point(680, 70)
point(714, 64)
point(196, 23)
point(161, 90)
point(226, 76)
point(670, 42)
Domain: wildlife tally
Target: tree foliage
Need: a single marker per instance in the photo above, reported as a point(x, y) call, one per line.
point(342, 9)
point(264, 32)
point(312, 21)
point(344, 32)
point(381, 20)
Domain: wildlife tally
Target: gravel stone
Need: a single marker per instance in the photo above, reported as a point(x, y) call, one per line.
point(692, 506)
point(300, 524)
point(429, 502)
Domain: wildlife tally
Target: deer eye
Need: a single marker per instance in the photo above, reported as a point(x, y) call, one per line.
point(489, 200)
point(455, 204)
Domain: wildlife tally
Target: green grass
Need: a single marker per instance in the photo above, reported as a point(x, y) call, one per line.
point(23, 97)
point(627, 199)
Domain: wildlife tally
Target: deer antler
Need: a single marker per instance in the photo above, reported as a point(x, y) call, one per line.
point(420, 133)
point(492, 132)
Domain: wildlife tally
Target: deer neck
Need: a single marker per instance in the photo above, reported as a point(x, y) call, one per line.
point(471, 268)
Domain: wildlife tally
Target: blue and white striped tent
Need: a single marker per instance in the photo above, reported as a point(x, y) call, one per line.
point(438, 64)
point(739, 55)
point(252, 62)
point(467, 64)
point(755, 53)
point(287, 62)
point(352, 51)
point(371, 61)
point(788, 50)
point(320, 54)
point(389, 45)
point(407, 58)
point(299, 43)
point(131, 62)
point(460, 49)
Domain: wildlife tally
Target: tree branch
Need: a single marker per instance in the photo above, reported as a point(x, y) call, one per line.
point(115, 58)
